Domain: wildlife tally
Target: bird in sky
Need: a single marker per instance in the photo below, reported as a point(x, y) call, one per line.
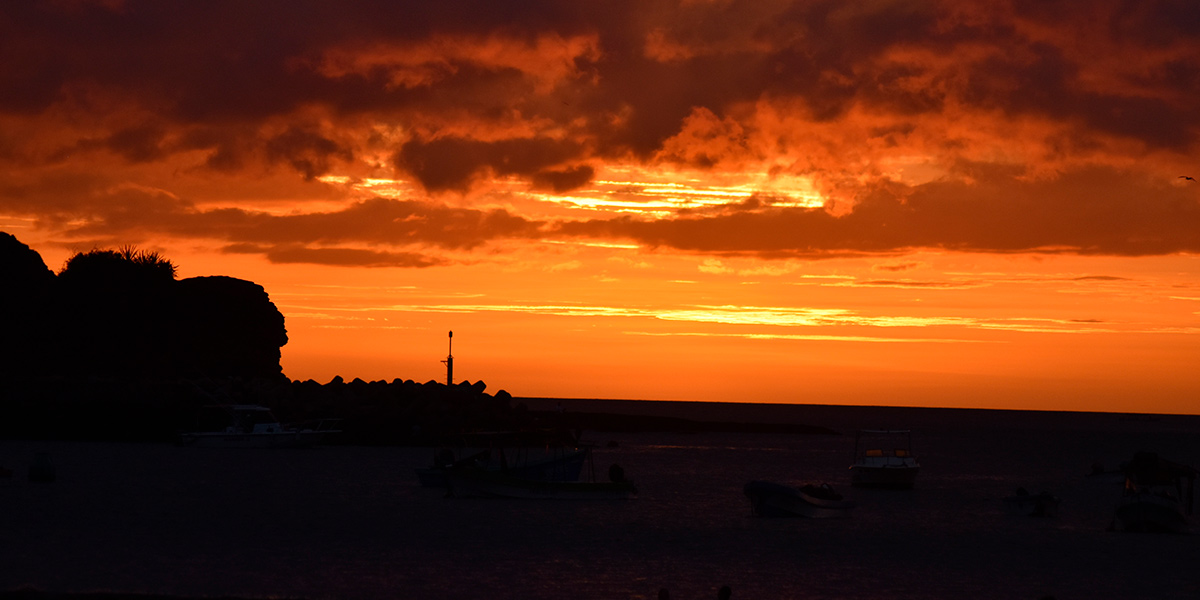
point(1187, 178)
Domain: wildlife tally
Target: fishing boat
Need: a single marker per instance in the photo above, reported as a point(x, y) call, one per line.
point(883, 458)
point(770, 499)
point(252, 426)
point(1157, 496)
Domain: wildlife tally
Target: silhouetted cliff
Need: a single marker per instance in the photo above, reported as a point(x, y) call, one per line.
point(27, 288)
point(122, 314)
point(115, 348)
point(230, 327)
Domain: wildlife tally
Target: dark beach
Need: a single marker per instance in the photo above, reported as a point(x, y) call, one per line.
point(343, 521)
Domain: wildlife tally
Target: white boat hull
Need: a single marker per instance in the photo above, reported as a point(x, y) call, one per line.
point(251, 426)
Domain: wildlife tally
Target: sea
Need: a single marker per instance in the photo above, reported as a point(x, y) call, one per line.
point(352, 522)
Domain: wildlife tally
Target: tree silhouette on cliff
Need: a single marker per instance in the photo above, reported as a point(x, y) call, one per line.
point(118, 309)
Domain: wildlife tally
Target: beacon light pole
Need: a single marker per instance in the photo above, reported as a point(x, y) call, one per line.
point(450, 361)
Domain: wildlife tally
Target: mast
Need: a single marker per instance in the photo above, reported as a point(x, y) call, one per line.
point(450, 361)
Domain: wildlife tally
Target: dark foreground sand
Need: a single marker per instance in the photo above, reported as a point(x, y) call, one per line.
point(344, 522)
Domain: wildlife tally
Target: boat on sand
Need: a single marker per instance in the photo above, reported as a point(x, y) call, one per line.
point(770, 499)
point(555, 480)
point(543, 456)
point(1157, 496)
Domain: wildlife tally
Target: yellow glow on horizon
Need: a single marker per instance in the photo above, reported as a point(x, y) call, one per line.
point(611, 245)
point(653, 194)
point(817, 337)
point(733, 315)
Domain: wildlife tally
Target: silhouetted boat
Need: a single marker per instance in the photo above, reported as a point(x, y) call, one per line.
point(479, 483)
point(554, 472)
point(1042, 504)
point(770, 499)
point(557, 465)
point(1157, 496)
point(252, 426)
point(883, 458)
point(539, 456)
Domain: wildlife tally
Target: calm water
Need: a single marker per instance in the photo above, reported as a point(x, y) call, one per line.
point(351, 522)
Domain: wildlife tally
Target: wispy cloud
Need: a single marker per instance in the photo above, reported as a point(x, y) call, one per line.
point(914, 284)
point(815, 338)
point(761, 316)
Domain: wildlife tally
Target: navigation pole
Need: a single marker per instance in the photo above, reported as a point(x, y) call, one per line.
point(450, 361)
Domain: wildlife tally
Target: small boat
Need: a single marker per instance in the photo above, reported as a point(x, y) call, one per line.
point(542, 456)
point(469, 479)
point(1042, 504)
point(479, 483)
point(252, 426)
point(1157, 496)
point(883, 458)
point(770, 499)
point(548, 465)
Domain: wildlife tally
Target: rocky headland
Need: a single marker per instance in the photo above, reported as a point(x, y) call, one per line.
point(114, 348)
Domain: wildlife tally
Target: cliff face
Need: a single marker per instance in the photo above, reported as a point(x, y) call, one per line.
point(115, 348)
point(108, 316)
point(27, 288)
point(228, 327)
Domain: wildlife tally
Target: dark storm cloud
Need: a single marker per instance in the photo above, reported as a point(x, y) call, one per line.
point(563, 180)
point(1043, 83)
point(451, 163)
point(451, 93)
point(378, 221)
point(308, 152)
point(141, 143)
point(1082, 212)
point(131, 213)
point(228, 61)
point(340, 257)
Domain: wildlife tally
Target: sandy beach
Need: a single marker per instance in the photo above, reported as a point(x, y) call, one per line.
point(352, 522)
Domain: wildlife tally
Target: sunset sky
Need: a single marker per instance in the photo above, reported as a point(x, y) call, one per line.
point(968, 204)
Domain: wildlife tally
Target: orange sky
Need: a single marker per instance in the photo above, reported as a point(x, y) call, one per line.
point(974, 204)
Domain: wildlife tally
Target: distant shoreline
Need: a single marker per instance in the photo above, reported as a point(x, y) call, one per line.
point(643, 423)
point(686, 415)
